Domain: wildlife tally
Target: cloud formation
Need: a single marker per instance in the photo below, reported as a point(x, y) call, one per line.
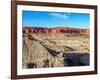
point(59, 15)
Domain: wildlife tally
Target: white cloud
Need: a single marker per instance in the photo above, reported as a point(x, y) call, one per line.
point(59, 15)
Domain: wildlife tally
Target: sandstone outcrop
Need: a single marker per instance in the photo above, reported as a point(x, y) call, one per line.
point(36, 55)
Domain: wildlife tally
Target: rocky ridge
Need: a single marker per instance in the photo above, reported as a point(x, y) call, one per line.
point(56, 30)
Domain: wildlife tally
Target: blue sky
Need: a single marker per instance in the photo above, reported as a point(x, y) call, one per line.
point(55, 19)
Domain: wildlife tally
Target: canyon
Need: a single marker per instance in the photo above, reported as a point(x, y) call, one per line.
point(55, 47)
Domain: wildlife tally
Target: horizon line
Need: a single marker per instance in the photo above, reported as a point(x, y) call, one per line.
point(56, 27)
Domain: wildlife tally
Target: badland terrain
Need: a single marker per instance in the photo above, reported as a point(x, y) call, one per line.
point(55, 47)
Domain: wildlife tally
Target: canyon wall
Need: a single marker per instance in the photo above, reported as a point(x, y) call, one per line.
point(56, 30)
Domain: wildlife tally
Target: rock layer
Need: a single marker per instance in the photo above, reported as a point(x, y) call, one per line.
point(56, 30)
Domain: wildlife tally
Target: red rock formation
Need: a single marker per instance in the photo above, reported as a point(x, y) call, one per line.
point(61, 30)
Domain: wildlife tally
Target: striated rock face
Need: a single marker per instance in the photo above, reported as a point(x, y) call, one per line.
point(56, 30)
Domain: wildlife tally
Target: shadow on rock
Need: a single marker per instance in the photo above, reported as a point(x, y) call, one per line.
point(76, 59)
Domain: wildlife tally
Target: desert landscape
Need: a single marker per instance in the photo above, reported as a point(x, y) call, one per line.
point(55, 47)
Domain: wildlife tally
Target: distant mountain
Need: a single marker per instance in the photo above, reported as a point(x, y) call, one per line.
point(56, 30)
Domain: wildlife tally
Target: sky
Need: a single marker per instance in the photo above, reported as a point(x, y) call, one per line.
point(55, 19)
